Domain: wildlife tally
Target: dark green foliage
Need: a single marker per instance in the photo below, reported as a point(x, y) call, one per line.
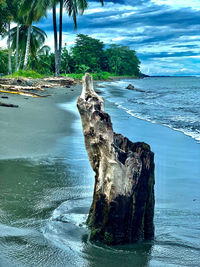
point(37, 39)
point(4, 16)
point(3, 62)
point(122, 60)
point(89, 55)
point(66, 61)
point(96, 76)
point(8, 12)
point(89, 52)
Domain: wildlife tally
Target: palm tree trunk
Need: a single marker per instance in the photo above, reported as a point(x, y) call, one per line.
point(55, 40)
point(60, 35)
point(17, 48)
point(20, 60)
point(27, 48)
point(9, 51)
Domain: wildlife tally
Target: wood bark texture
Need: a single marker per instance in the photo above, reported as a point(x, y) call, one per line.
point(122, 210)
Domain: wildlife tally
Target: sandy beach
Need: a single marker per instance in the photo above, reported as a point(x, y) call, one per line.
point(33, 128)
point(47, 184)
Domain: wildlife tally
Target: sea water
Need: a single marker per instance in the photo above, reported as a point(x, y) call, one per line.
point(44, 202)
point(170, 101)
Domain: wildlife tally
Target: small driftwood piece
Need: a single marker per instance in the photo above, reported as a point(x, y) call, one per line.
point(23, 93)
point(122, 210)
point(19, 87)
point(8, 105)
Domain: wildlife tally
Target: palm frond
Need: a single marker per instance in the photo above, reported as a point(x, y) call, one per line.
point(75, 7)
point(39, 31)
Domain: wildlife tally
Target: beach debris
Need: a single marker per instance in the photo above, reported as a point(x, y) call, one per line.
point(19, 87)
point(29, 87)
point(4, 97)
point(98, 92)
point(20, 92)
point(60, 81)
point(131, 87)
point(122, 210)
point(8, 105)
point(44, 82)
point(61, 218)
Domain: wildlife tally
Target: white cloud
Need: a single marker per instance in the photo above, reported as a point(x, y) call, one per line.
point(3, 43)
point(194, 4)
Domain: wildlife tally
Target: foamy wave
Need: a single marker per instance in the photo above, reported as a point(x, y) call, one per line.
point(69, 106)
point(187, 132)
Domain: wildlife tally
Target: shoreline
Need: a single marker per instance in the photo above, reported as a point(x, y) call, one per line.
point(33, 114)
point(44, 188)
point(121, 104)
point(197, 140)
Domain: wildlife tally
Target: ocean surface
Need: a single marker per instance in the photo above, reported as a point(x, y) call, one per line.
point(44, 200)
point(169, 101)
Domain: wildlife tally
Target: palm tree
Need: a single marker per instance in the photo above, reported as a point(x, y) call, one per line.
point(35, 9)
point(9, 51)
point(73, 8)
point(32, 13)
point(11, 14)
point(38, 60)
point(55, 38)
point(37, 39)
point(39, 8)
point(12, 6)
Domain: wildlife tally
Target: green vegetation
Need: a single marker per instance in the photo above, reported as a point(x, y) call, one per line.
point(122, 60)
point(96, 76)
point(36, 48)
point(26, 49)
point(87, 55)
point(90, 55)
point(4, 16)
point(24, 13)
point(26, 73)
point(3, 61)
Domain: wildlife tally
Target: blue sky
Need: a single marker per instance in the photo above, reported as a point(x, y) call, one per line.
point(164, 33)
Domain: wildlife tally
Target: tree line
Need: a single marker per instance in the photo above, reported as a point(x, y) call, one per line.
point(27, 49)
point(25, 12)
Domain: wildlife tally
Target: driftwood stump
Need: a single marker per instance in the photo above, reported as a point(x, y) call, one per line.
point(123, 202)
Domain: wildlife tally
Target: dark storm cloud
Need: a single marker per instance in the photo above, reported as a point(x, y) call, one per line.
point(140, 24)
point(167, 55)
point(152, 16)
point(176, 19)
point(124, 2)
point(187, 46)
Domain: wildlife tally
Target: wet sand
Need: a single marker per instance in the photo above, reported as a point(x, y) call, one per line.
point(34, 127)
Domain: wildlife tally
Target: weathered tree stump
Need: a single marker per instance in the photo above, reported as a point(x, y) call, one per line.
point(123, 202)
